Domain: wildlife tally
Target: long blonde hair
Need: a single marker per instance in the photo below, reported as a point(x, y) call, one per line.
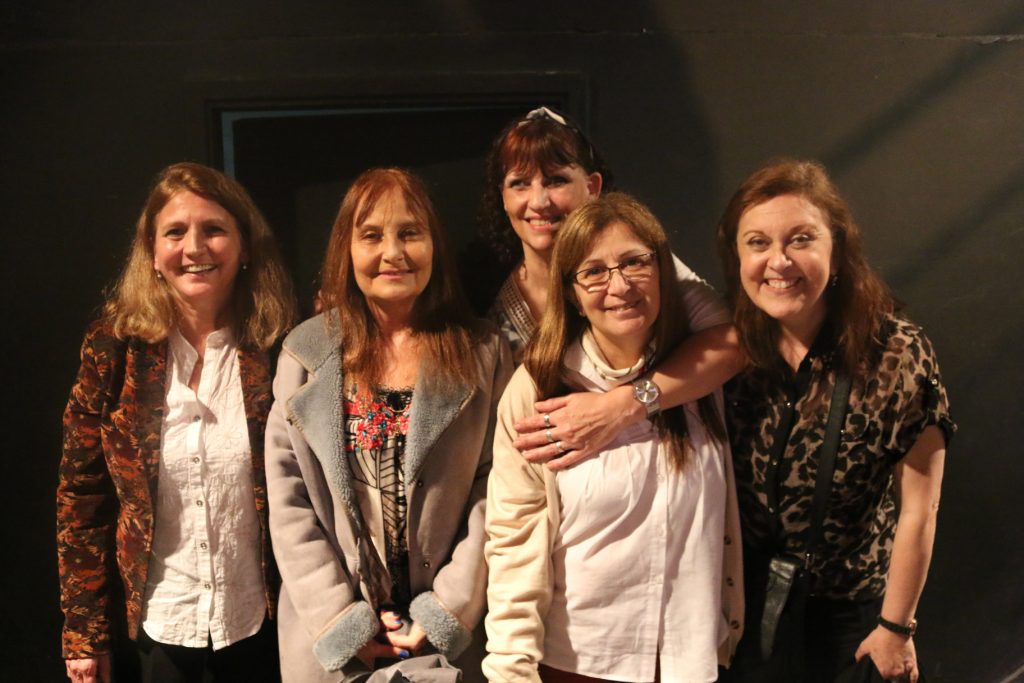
point(561, 324)
point(442, 322)
point(262, 302)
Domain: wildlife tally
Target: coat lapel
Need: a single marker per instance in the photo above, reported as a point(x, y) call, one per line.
point(146, 375)
point(433, 409)
point(317, 411)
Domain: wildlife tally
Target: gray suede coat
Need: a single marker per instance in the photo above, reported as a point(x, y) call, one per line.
point(325, 611)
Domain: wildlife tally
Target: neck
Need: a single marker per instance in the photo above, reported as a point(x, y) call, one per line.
point(536, 267)
point(393, 321)
point(196, 325)
point(621, 353)
point(795, 342)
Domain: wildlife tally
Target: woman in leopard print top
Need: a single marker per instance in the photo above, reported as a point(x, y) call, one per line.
point(809, 308)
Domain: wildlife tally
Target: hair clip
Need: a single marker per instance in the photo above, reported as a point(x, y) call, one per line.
point(545, 113)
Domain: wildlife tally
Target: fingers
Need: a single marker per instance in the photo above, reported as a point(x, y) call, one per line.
point(551, 405)
point(568, 459)
point(387, 650)
point(390, 620)
point(549, 451)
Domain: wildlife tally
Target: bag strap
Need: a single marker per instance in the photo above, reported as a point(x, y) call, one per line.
point(827, 463)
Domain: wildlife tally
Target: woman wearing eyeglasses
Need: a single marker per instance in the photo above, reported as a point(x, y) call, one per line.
point(540, 168)
point(627, 566)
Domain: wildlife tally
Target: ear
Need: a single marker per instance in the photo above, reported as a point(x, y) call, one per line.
point(594, 184)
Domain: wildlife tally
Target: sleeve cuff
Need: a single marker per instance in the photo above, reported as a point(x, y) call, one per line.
point(339, 642)
point(443, 629)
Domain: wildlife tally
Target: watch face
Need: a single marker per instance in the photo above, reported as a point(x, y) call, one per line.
point(646, 391)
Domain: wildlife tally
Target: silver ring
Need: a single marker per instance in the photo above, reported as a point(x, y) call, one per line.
point(547, 433)
point(547, 420)
point(558, 445)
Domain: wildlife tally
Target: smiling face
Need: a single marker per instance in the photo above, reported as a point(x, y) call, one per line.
point(785, 253)
point(392, 256)
point(537, 202)
point(621, 314)
point(198, 249)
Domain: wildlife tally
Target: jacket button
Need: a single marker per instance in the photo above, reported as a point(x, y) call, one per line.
point(734, 624)
point(426, 565)
point(729, 582)
point(728, 540)
point(419, 483)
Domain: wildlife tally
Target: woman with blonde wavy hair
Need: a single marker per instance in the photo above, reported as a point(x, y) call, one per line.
point(162, 532)
point(626, 566)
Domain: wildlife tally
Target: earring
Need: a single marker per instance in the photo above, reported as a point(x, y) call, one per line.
point(245, 266)
point(832, 281)
point(159, 275)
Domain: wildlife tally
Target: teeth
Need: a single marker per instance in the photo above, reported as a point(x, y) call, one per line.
point(624, 307)
point(542, 221)
point(198, 268)
point(780, 284)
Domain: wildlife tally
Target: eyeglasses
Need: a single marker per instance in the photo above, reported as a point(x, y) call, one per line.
point(632, 269)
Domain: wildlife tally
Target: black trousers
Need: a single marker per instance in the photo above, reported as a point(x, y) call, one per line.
point(816, 653)
point(253, 659)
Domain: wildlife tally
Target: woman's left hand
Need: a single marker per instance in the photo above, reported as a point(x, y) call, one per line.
point(412, 641)
point(893, 655)
point(581, 424)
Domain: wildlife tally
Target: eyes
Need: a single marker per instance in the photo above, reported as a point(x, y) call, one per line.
point(406, 233)
point(798, 240)
point(549, 181)
point(177, 231)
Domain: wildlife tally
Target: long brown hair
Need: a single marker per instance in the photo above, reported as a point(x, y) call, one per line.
point(262, 301)
point(441, 321)
point(561, 324)
point(859, 301)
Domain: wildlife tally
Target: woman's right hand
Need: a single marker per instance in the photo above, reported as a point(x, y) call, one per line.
point(374, 650)
point(88, 669)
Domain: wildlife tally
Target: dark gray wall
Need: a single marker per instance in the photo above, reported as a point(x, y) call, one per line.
point(917, 107)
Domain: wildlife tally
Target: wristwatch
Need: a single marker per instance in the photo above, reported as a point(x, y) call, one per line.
point(909, 630)
point(648, 393)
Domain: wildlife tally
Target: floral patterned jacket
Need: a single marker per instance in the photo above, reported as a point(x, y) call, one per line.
point(107, 484)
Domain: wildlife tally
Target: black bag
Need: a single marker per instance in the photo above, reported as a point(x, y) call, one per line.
point(789, 583)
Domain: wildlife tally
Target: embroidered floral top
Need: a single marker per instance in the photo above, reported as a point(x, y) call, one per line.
point(376, 425)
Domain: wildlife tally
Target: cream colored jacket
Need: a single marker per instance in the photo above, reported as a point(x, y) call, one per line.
point(521, 528)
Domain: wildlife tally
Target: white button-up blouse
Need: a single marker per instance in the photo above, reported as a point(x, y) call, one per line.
point(205, 581)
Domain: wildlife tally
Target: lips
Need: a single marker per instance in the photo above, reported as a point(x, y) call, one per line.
point(623, 307)
point(547, 223)
point(781, 284)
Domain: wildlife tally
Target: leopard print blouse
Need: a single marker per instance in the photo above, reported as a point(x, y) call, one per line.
point(777, 430)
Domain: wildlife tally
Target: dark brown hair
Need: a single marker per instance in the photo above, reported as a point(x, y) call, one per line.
point(529, 143)
point(858, 303)
point(262, 301)
point(441, 318)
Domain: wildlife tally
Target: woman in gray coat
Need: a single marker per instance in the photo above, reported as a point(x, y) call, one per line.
point(378, 448)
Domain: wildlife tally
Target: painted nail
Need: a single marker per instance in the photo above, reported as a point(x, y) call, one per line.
point(404, 654)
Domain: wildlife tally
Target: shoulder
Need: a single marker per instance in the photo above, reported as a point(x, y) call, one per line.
point(520, 394)
point(906, 347)
point(101, 346)
point(311, 343)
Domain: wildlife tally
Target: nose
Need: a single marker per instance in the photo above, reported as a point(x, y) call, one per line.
point(617, 282)
point(539, 197)
point(393, 249)
point(195, 241)
point(778, 259)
